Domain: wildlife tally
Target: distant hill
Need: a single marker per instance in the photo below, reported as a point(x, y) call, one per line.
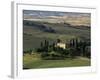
point(73, 18)
point(62, 19)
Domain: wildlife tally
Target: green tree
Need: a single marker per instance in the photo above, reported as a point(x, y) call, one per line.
point(58, 40)
point(41, 45)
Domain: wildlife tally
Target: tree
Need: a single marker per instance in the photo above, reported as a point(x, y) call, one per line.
point(30, 51)
point(70, 43)
point(76, 43)
point(53, 46)
point(73, 43)
point(58, 40)
point(72, 52)
point(41, 44)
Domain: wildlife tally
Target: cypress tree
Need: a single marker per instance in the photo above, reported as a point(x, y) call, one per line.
point(76, 43)
point(45, 43)
point(73, 43)
point(53, 46)
point(41, 45)
point(70, 43)
point(58, 40)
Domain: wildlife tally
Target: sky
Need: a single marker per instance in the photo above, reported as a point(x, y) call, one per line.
point(53, 13)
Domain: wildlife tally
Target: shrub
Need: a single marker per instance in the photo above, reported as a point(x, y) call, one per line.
point(52, 56)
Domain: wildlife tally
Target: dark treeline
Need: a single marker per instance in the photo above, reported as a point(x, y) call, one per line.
point(73, 48)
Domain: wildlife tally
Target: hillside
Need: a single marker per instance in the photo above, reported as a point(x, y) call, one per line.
point(37, 31)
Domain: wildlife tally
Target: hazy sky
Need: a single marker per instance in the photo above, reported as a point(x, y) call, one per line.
point(54, 13)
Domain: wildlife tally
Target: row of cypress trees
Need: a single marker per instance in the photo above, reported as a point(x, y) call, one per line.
point(75, 47)
point(79, 47)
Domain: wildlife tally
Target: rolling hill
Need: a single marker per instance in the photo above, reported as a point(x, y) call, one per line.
point(36, 31)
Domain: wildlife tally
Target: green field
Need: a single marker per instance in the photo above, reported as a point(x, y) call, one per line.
point(34, 61)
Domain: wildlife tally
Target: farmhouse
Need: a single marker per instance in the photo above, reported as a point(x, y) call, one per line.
point(61, 45)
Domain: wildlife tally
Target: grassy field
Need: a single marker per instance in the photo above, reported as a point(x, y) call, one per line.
point(34, 61)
